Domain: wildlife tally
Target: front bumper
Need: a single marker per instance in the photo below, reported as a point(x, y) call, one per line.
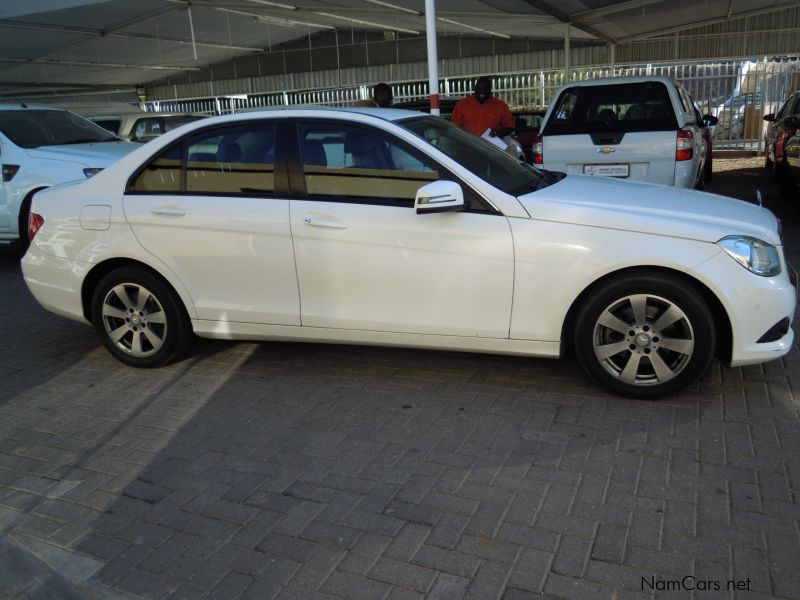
point(754, 305)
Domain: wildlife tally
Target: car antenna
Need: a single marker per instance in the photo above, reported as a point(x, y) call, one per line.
point(759, 198)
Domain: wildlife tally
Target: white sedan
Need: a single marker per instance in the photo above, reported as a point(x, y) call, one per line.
point(382, 226)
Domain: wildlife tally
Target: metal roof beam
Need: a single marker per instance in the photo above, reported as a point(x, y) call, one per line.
point(613, 9)
point(715, 21)
point(97, 33)
point(544, 7)
point(82, 63)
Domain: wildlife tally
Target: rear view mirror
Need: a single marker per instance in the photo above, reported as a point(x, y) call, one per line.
point(439, 196)
point(710, 120)
point(770, 117)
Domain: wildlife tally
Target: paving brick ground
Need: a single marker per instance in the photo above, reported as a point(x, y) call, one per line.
point(313, 471)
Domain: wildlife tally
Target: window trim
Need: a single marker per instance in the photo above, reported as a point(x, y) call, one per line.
point(280, 177)
point(297, 171)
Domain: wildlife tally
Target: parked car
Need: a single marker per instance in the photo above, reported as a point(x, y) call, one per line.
point(395, 228)
point(142, 126)
point(42, 146)
point(638, 128)
point(782, 144)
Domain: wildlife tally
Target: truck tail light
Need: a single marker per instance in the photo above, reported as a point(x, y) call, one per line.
point(35, 222)
point(538, 150)
point(684, 149)
point(9, 171)
point(781, 142)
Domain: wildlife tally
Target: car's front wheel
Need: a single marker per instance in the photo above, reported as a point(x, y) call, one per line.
point(139, 318)
point(645, 335)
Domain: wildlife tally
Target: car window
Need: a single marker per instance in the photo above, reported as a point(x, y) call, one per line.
point(682, 98)
point(232, 160)
point(35, 128)
point(483, 159)
point(644, 106)
point(162, 174)
point(111, 125)
point(355, 162)
point(148, 126)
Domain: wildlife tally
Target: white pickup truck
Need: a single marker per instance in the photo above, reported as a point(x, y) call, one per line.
point(638, 128)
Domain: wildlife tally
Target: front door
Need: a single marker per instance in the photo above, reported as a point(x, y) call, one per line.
point(367, 261)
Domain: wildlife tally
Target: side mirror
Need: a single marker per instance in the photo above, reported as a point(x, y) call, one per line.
point(770, 117)
point(710, 120)
point(439, 196)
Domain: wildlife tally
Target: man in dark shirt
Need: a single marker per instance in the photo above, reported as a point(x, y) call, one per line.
point(481, 111)
point(381, 97)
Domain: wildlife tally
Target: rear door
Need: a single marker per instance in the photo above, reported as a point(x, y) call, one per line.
point(215, 210)
point(615, 130)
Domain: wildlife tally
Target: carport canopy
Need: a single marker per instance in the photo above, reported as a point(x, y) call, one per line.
point(70, 46)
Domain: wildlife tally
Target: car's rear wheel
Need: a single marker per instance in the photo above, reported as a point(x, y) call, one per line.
point(139, 318)
point(709, 168)
point(645, 335)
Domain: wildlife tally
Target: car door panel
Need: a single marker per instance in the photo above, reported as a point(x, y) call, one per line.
point(227, 235)
point(383, 268)
point(365, 259)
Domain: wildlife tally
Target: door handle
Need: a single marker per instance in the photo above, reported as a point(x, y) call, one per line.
point(318, 222)
point(170, 211)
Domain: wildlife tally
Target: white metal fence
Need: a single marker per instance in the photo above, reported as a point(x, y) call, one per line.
point(738, 92)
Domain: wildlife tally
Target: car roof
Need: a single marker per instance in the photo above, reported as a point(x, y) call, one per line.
point(145, 114)
point(620, 81)
point(388, 114)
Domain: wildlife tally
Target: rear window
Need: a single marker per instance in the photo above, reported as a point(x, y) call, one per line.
point(620, 108)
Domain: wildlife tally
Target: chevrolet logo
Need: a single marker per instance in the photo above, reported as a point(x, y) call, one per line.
point(607, 150)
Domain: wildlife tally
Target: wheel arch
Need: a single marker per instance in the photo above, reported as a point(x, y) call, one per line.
point(100, 270)
point(722, 322)
point(25, 207)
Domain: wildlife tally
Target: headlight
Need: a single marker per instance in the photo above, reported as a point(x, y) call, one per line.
point(754, 255)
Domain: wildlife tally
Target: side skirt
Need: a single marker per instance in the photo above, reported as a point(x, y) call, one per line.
point(221, 330)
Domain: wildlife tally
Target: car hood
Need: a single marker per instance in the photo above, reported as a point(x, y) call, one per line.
point(649, 208)
point(100, 154)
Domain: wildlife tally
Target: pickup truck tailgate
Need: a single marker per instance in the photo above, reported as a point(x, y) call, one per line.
point(640, 155)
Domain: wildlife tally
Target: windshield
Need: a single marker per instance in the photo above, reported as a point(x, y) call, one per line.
point(34, 128)
point(615, 107)
point(481, 158)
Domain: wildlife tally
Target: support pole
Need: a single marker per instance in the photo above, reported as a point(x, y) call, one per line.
point(567, 53)
point(433, 56)
point(612, 54)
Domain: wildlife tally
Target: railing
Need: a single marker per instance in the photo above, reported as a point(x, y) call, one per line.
point(738, 92)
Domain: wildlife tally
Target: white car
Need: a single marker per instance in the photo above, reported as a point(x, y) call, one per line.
point(635, 128)
point(42, 146)
point(389, 227)
point(143, 126)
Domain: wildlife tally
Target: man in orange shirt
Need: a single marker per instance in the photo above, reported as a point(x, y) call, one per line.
point(480, 112)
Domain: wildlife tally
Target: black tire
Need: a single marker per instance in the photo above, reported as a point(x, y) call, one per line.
point(784, 178)
point(632, 372)
point(709, 169)
point(701, 180)
point(154, 330)
point(24, 215)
